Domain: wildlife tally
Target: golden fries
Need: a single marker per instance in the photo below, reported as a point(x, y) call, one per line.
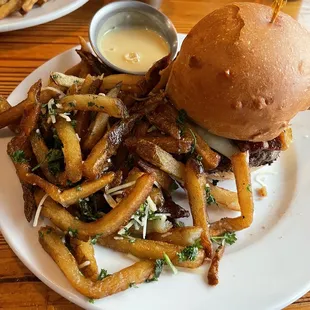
point(153, 154)
point(225, 198)
point(213, 278)
point(10, 7)
point(161, 177)
point(286, 138)
point(28, 4)
point(97, 103)
point(195, 184)
point(15, 113)
point(108, 224)
point(128, 82)
point(106, 147)
point(168, 144)
point(149, 249)
point(71, 149)
point(4, 106)
point(41, 152)
point(119, 281)
point(243, 181)
point(210, 159)
point(65, 80)
point(84, 254)
point(183, 236)
point(99, 124)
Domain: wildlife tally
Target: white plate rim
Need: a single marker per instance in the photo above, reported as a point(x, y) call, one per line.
point(23, 22)
point(279, 303)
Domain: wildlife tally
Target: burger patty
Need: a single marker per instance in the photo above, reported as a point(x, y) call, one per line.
point(261, 153)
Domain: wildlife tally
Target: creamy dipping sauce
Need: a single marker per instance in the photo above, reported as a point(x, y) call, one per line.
point(133, 49)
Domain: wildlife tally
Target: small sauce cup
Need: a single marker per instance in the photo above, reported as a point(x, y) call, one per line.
point(130, 14)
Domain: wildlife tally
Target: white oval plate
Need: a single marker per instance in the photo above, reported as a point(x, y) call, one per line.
point(49, 11)
point(267, 268)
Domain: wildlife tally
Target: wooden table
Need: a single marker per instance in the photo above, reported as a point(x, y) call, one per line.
point(23, 51)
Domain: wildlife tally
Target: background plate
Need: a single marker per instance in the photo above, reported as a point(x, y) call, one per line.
point(51, 10)
point(267, 268)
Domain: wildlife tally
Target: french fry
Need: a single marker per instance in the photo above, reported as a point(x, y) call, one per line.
point(99, 124)
point(95, 66)
point(28, 4)
point(149, 249)
point(72, 90)
point(67, 197)
point(141, 128)
point(75, 70)
point(41, 2)
point(164, 76)
point(183, 236)
point(286, 138)
point(13, 114)
point(107, 146)
point(161, 177)
point(164, 118)
point(149, 105)
point(173, 209)
point(4, 106)
point(129, 82)
point(10, 7)
point(195, 184)
point(71, 149)
point(225, 198)
point(84, 252)
point(153, 154)
point(85, 70)
point(65, 80)
point(40, 150)
point(168, 144)
point(210, 159)
point(119, 281)
point(29, 201)
point(84, 46)
point(108, 224)
point(243, 182)
point(98, 103)
point(157, 196)
point(213, 278)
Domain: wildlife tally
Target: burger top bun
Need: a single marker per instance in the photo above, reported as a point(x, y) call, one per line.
point(241, 77)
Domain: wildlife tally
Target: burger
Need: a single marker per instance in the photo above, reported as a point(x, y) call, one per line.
point(241, 79)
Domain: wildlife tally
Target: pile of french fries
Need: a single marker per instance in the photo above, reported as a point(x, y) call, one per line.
point(99, 155)
point(8, 7)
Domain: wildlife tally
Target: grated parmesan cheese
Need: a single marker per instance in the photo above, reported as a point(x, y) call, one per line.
point(117, 188)
point(112, 203)
point(65, 116)
point(85, 264)
point(36, 217)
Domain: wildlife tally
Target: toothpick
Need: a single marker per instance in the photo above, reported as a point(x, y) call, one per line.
point(277, 6)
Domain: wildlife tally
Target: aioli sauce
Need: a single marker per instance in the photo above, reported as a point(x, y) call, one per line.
point(133, 49)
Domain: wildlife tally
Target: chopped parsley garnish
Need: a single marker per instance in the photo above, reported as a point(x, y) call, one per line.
point(72, 232)
point(55, 76)
point(73, 123)
point(190, 252)
point(72, 104)
point(229, 238)
point(51, 158)
point(199, 158)
point(210, 199)
point(249, 188)
point(181, 120)
point(103, 274)
point(78, 188)
point(193, 146)
point(87, 211)
point(91, 104)
point(173, 186)
point(133, 284)
point(179, 223)
point(91, 300)
point(159, 264)
point(19, 157)
point(41, 235)
point(94, 239)
point(169, 263)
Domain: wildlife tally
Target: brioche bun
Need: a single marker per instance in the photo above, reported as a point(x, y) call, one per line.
point(241, 77)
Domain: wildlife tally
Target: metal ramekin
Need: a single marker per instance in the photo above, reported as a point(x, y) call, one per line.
point(131, 14)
